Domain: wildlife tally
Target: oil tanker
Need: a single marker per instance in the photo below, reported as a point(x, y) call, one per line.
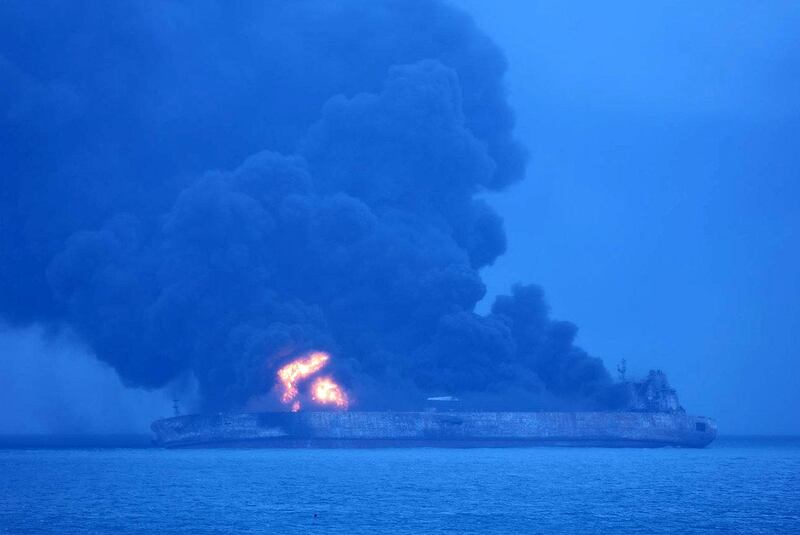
point(653, 418)
point(433, 428)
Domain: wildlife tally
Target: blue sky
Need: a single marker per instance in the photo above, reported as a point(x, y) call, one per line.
point(661, 208)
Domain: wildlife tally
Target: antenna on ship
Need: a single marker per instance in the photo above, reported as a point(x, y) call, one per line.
point(176, 407)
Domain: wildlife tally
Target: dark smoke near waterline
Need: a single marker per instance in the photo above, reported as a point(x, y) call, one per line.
point(209, 188)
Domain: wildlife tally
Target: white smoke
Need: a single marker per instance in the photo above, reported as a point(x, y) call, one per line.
point(50, 383)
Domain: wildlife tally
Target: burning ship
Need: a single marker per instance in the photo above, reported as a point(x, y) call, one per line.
point(654, 418)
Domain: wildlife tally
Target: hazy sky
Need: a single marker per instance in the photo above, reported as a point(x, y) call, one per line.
point(660, 212)
point(661, 209)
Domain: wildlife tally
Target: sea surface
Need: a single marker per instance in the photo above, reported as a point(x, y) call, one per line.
point(737, 485)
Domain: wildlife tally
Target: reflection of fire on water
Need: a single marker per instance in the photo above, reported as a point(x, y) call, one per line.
point(324, 390)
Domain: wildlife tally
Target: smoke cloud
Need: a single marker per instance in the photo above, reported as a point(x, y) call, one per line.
point(205, 188)
point(51, 384)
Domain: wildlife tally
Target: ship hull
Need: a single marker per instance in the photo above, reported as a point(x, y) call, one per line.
point(435, 429)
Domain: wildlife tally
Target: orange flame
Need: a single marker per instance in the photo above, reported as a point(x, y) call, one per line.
point(324, 390)
point(327, 392)
point(299, 369)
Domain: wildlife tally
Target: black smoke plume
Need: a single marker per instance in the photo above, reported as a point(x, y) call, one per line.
point(207, 188)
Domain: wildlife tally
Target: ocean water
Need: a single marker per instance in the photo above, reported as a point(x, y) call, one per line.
point(734, 486)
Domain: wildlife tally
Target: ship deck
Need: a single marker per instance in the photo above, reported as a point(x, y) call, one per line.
point(356, 429)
